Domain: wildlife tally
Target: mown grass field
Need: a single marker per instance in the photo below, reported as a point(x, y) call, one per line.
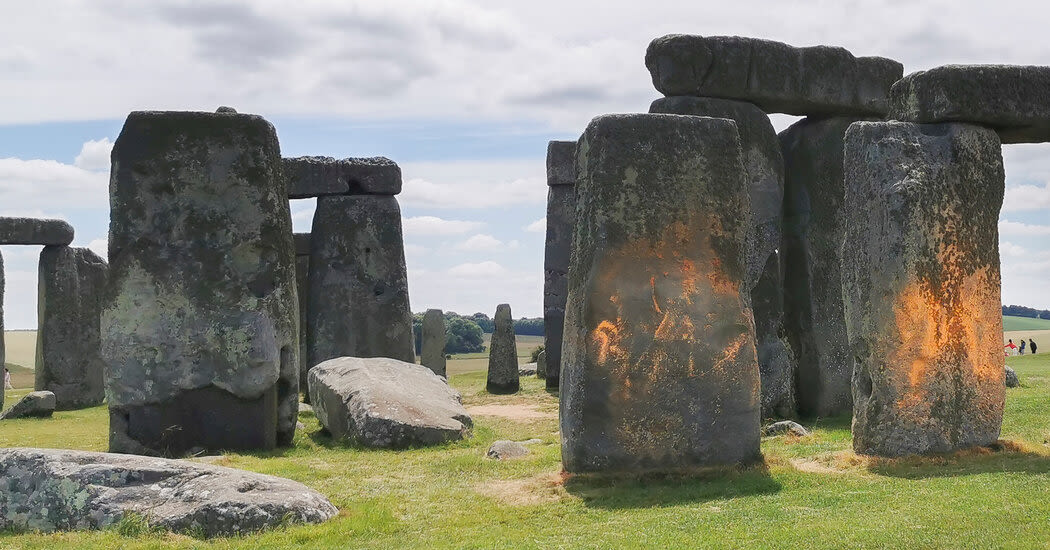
point(1024, 323)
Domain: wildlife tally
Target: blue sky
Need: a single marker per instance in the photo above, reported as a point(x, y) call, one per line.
point(463, 94)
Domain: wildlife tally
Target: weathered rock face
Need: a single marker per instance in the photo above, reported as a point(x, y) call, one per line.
point(199, 321)
point(503, 376)
point(433, 349)
point(561, 215)
point(358, 305)
point(302, 287)
point(68, 347)
point(813, 228)
point(58, 490)
point(1012, 381)
point(386, 403)
point(34, 231)
point(659, 369)
point(765, 175)
point(921, 282)
point(321, 176)
point(785, 427)
point(779, 78)
point(1011, 99)
point(35, 404)
point(541, 365)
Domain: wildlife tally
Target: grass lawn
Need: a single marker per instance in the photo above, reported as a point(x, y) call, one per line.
point(1024, 323)
point(812, 492)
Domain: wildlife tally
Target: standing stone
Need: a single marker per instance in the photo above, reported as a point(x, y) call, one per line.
point(199, 323)
point(541, 365)
point(561, 215)
point(358, 303)
point(302, 287)
point(660, 370)
point(503, 354)
point(813, 229)
point(921, 281)
point(765, 176)
point(433, 349)
point(68, 345)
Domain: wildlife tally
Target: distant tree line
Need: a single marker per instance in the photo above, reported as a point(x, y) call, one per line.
point(462, 334)
point(1021, 311)
point(525, 326)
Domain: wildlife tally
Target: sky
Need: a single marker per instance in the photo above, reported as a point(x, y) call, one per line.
point(463, 94)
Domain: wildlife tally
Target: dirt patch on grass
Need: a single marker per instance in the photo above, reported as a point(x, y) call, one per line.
point(539, 489)
point(522, 413)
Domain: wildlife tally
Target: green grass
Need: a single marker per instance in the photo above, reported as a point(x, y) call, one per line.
point(1024, 323)
point(810, 493)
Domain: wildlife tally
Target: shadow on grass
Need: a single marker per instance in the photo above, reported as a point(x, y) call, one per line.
point(656, 490)
point(1003, 456)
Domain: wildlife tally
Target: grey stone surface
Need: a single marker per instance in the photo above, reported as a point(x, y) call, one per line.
point(302, 244)
point(815, 320)
point(35, 231)
point(1012, 381)
point(528, 369)
point(779, 78)
point(1012, 99)
point(302, 292)
point(321, 176)
point(432, 354)
point(35, 404)
point(765, 175)
point(58, 490)
point(386, 403)
point(503, 374)
point(199, 319)
point(68, 339)
point(541, 365)
point(921, 283)
point(659, 369)
point(785, 427)
point(225, 109)
point(561, 215)
point(504, 449)
point(358, 304)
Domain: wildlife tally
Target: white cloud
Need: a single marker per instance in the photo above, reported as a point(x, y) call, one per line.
point(1020, 198)
point(421, 192)
point(538, 226)
point(48, 185)
point(477, 270)
point(426, 226)
point(100, 247)
point(1007, 227)
point(481, 242)
point(94, 155)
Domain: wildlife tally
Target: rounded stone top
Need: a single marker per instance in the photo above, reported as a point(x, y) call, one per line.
point(225, 109)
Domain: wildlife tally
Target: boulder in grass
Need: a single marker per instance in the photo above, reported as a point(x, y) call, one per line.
point(385, 403)
point(1012, 381)
point(35, 404)
point(528, 369)
point(504, 449)
point(785, 427)
point(59, 490)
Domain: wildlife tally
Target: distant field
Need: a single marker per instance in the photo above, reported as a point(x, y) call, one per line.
point(1024, 323)
point(472, 362)
point(20, 347)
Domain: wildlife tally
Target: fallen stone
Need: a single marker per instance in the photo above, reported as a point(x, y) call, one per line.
point(432, 353)
point(541, 365)
point(812, 81)
point(528, 369)
point(358, 303)
point(59, 490)
point(1012, 381)
point(921, 282)
point(199, 319)
point(35, 404)
point(785, 427)
point(305, 407)
point(33, 231)
point(503, 374)
point(386, 403)
point(659, 370)
point(322, 176)
point(69, 350)
point(1012, 99)
point(561, 217)
point(504, 449)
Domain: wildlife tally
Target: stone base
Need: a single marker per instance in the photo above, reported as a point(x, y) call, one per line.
point(502, 389)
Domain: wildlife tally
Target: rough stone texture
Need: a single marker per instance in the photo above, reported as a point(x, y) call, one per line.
point(541, 365)
point(1012, 381)
point(785, 427)
point(35, 231)
point(779, 78)
point(321, 176)
point(302, 286)
point(815, 320)
point(921, 282)
point(386, 403)
point(199, 321)
point(765, 174)
point(504, 449)
point(59, 490)
point(528, 369)
point(358, 304)
point(302, 244)
point(1012, 99)
point(68, 346)
point(659, 370)
point(35, 404)
point(503, 374)
point(432, 355)
point(561, 216)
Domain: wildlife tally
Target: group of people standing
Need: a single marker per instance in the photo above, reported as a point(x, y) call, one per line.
point(1013, 349)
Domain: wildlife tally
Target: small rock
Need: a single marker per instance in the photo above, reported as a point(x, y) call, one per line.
point(306, 407)
point(504, 449)
point(528, 369)
point(785, 427)
point(38, 404)
point(1012, 381)
point(225, 109)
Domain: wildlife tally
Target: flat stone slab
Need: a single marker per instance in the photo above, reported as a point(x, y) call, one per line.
point(818, 80)
point(58, 490)
point(319, 176)
point(1012, 99)
point(386, 403)
point(34, 231)
point(35, 404)
point(561, 163)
